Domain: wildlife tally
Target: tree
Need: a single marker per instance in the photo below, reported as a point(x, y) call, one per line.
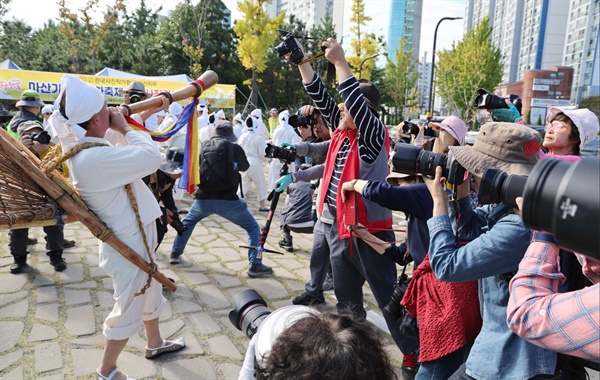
point(363, 44)
point(399, 85)
point(319, 34)
point(471, 64)
point(16, 43)
point(592, 103)
point(256, 32)
point(97, 33)
point(4, 7)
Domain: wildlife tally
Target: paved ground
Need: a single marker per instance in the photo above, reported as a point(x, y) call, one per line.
point(50, 322)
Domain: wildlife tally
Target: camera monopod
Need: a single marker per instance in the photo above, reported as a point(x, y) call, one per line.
point(264, 232)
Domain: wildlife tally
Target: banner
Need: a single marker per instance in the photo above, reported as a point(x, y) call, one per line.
point(13, 82)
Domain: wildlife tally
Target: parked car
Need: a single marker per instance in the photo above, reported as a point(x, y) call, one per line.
point(591, 148)
point(470, 137)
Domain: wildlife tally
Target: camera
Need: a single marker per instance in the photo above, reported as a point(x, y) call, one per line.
point(284, 154)
point(410, 159)
point(134, 98)
point(302, 121)
point(41, 137)
point(177, 224)
point(289, 45)
point(393, 306)
point(559, 197)
point(498, 187)
point(409, 128)
point(250, 310)
point(489, 101)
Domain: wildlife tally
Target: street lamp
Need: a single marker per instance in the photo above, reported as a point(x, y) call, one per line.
point(363, 61)
point(430, 111)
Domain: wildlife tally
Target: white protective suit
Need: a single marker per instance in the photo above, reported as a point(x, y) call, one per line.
point(261, 128)
point(283, 133)
point(238, 129)
point(254, 146)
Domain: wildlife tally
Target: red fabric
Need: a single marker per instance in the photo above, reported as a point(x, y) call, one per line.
point(350, 172)
point(447, 312)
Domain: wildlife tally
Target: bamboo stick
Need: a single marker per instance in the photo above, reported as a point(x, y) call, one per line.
point(28, 161)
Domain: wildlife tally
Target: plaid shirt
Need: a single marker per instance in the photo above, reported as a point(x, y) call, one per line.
point(567, 322)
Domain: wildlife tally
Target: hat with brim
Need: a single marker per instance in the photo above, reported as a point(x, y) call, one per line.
point(172, 160)
point(584, 120)
point(29, 125)
point(223, 129)
point(513, 148)
point(454, 126)
point(30, 98)
point(137, 87)
point(393, 177)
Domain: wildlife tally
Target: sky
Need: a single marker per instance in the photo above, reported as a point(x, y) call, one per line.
point(433, 11)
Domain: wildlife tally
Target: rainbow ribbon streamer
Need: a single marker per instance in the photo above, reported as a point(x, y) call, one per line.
point(190, 177)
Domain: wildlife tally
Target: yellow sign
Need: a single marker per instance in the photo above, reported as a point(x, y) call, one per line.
point(13, 82)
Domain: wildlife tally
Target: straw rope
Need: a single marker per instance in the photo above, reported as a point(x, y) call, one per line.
point(49, 164)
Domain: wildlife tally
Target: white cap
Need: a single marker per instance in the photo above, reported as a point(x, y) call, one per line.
point(47, 108)
point(220, 115)
point(585, 121)
point(256, 113)
point(175, 109)
point(239, 118)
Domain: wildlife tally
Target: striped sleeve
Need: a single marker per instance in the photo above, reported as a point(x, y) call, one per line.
point(323, 101)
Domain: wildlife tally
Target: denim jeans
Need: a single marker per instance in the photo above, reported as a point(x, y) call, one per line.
point(234, 211)
point(442, 368)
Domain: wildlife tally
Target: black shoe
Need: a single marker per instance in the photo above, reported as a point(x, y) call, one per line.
point(328, 283)
point(174, 258)
point(287, 244)
point(58, 263)
point(66, 244)
point(306, 299)
point(259, 270)
point(18, 267)
point(31, 241)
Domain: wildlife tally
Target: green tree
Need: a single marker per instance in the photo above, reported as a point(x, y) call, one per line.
point(363, 44)
point(471, 64)
point(319, 34)
point(399, 85)
point(96, 32)
point(592, 103)
point(256, 33)
point(16, 43)
point(4, 7)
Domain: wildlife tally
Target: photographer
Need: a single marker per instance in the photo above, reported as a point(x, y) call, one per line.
point(566, 322)
point(297, 342)
point(358, 149)
point(499, 242)
point(136, 92)
point(29, 107)
point(30, 135)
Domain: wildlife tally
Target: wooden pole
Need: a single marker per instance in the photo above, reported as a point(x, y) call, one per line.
point(208, 79)
point(29, 163)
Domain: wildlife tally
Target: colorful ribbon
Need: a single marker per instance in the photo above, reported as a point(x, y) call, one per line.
point(190, 177)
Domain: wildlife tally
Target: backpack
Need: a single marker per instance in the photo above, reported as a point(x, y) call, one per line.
point(218, 169)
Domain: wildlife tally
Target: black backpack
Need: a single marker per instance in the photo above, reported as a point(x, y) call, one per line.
point(218, 169)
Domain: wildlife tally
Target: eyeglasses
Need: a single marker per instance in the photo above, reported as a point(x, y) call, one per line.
point(555, 126)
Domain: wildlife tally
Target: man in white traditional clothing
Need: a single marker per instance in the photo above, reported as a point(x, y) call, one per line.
point(202, 114)
point(254, 147)
point(238, 125)
point(100, 174)
point(283, 133)
point(261, 128)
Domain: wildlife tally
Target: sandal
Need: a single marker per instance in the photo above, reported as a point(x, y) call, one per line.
point(167, 346)
point(111, 375)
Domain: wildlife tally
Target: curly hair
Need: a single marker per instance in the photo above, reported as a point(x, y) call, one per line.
point(327, 346)
point(574, 135)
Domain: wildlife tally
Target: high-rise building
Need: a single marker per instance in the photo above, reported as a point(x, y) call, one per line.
point(506, 35)
point(311, 12)
point(476, 11)
point(581, 48)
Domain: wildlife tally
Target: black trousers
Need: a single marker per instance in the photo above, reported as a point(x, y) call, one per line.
point(18, 241)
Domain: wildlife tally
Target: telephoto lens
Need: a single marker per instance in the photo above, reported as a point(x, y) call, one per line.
point(563, 198)
point(498, 187)
point(281, 153)
point(410, 159)
point(487, 100)
point(393, 306)
point(250, 310)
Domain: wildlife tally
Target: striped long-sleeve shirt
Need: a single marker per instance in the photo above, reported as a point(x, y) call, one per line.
point(563, 322)
point(371, 131)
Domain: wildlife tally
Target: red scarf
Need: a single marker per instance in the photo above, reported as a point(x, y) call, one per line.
point(349, 172)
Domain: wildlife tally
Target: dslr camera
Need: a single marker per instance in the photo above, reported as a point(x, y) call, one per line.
point(559, 197)
point(250, 310)
point(487, 100)
point(410, 159)
point(409, 128)
point(289, 45)
point(302, 121)
point(41, 137)
point(134, 97)
point(393, 306)
point(287, 155)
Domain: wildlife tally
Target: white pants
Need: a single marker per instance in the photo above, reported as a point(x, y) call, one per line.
point(256, 174)
point(127, 316)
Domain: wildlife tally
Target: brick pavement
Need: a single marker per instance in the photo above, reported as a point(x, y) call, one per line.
point(50, 322)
